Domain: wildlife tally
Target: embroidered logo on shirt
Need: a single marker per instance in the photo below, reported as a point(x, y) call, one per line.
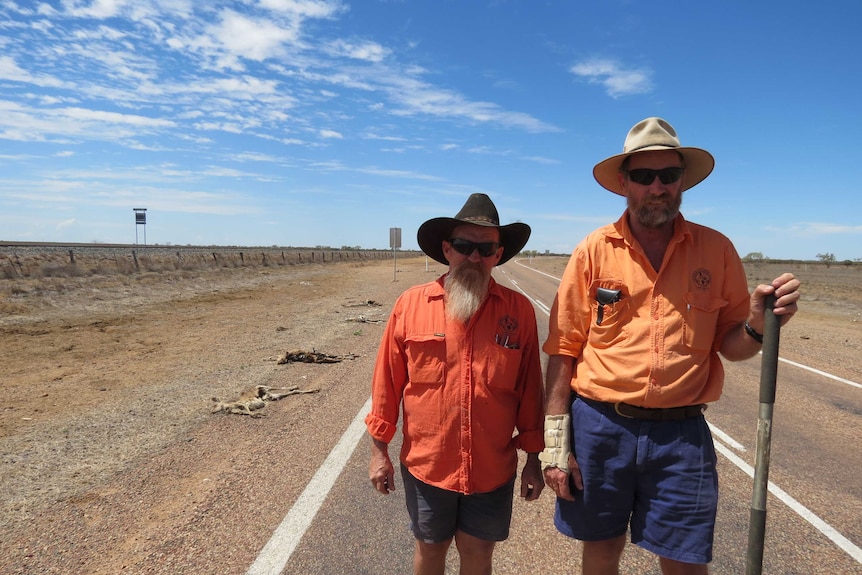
point(508, 324)
point(701, 278)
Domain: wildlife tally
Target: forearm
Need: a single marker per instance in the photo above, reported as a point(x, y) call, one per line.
point(558, 384)
point(739, 345)
point(379, 448)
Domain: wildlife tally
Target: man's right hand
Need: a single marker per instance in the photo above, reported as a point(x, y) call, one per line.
point(559, 481)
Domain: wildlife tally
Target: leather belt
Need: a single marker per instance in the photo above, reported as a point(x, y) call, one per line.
point(659, 413)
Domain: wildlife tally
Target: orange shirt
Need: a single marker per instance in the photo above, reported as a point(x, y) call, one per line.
point(464, 388)
point(657, 346)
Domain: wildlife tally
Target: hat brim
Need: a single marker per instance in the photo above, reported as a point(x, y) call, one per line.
point(698, 165)
point(432, 234)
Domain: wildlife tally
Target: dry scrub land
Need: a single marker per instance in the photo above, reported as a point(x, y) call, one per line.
point(105, 426)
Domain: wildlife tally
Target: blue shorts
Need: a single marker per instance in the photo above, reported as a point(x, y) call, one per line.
point(657, 477)
point(437, 513)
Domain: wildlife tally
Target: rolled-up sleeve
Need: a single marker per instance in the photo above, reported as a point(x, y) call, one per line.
point(568, 324)
point(530, 419)
point(388, 381)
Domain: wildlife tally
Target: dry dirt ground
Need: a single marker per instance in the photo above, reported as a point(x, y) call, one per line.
point(105, 423)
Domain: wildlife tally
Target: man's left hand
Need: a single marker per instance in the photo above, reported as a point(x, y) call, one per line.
point(786, 290)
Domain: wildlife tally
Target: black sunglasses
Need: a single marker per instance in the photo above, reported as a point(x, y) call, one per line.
point(466, 247)
point(646, 176)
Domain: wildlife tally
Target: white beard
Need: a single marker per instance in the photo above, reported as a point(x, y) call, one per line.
point(466, 288)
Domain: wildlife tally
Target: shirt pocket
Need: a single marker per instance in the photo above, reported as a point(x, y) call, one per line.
point(426, 358)
point(502, 367)
point(615, 317)
point(701, 318)
point(424, 401)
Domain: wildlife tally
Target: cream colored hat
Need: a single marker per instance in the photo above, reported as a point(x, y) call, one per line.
point(649, 135)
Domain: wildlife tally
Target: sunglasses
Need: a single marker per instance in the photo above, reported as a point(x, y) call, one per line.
point(466, 247)
point(646, 176)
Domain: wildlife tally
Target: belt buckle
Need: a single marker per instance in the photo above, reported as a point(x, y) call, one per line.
point(620, 413)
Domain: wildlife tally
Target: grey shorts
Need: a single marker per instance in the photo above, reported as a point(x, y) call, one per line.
point(436, 514)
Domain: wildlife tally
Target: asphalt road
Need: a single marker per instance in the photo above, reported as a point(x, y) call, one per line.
point(339, 525)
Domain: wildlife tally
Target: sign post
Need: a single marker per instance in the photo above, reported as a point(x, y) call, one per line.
point(394, 243)
point(140, 220)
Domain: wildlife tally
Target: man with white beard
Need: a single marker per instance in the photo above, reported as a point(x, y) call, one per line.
point(460, 361)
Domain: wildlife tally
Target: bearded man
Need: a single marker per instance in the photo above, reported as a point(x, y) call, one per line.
point(460, 360)
point(644, 309)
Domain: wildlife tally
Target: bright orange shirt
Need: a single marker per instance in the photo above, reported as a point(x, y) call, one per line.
point(463, 389)
point(657, 346)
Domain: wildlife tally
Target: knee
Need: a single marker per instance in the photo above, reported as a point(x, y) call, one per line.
point(606, 552)
point(432, 551)
point(474, 549)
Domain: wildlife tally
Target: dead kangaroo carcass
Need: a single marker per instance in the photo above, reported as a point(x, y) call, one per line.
point(252, 401)
point(313, 356)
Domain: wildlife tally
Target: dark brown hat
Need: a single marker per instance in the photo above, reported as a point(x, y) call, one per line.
point(478, 210)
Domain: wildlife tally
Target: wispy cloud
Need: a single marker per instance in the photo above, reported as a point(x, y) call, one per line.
point(540, 160)
point(818, 229)
point(614, 77)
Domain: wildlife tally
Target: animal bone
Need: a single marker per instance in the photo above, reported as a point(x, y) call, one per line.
point(251, 401)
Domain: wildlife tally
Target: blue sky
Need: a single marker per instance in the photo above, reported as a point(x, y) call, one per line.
point(324, 122)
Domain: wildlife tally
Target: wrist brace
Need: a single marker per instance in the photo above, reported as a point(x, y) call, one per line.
point(557, 442)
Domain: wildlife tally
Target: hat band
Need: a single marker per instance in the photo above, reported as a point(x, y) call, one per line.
point(668, 146)
point(480, 219)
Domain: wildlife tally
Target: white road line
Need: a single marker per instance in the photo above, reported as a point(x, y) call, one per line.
point(716, 432)
point(830, 532)
point(536, 302)
point(537, 271)
point(823, 373)
point(275, 554)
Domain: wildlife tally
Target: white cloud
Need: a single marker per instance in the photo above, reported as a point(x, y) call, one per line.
point(252, 38)
point(304, 8)
point(369, 51)
point(9, 70)
point(540, 160)
point(819, 228)
point(417, 97)
point(95, 8)
point(331, 134)
point(617, 80)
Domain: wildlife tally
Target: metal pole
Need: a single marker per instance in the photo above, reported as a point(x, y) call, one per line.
point(394, 265)
point(768, 376)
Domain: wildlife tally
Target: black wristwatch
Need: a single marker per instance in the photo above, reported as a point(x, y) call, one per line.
point(758, 337)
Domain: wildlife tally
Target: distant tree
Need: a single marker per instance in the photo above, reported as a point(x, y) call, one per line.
point(827, 258)
point(754, 257)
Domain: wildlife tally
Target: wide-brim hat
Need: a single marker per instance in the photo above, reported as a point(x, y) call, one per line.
point(478, 210)
point(650, 135)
